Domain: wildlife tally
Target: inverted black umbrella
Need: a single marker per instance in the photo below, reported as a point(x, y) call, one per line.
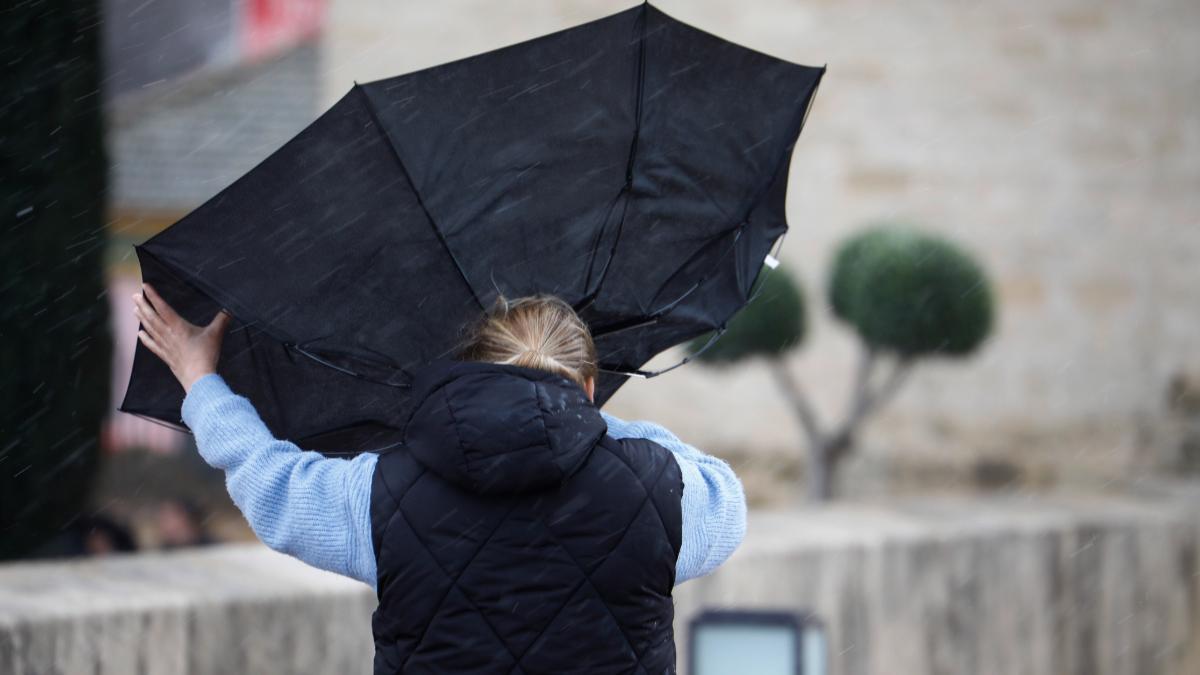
point(633, 165)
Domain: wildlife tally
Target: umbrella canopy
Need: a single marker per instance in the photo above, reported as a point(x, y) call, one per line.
point(633, 165)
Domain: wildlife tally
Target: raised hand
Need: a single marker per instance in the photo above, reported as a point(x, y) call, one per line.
point(191, 351)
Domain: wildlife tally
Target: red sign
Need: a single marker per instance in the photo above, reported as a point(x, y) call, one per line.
point(270, 26)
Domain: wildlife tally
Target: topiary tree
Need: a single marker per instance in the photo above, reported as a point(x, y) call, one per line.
point(54, 340)
point(907, 295)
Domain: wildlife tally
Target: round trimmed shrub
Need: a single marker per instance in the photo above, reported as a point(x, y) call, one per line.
point(845, 266)
point(770, 324)
point(911, 293)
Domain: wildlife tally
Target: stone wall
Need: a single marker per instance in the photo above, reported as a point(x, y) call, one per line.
point(1002, 587)
point(1059, 140)
point(226, 609)
point(1085, 587)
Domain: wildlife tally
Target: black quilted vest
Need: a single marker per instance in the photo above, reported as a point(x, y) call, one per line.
point(512, 535)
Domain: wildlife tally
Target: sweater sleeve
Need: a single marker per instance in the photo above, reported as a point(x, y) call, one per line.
point(298, 502)
point(714, 504)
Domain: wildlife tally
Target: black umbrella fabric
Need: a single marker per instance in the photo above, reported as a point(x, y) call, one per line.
point(633, 165)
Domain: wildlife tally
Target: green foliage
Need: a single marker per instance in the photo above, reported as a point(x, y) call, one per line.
point(911, 293)
point(772, 323)
point(846, 264)
point(54, 340)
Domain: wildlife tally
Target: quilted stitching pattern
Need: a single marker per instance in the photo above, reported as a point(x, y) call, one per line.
point(447, 560)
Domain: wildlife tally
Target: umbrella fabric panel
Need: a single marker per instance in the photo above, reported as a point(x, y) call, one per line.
point(718, 125)
point(325, 246)
point(321, 252)
point(153, 390)
point(518, 154)
point(296, 396)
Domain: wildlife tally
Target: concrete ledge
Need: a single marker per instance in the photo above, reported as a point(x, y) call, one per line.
point(1039, 587)
point(1020, 586)
point(225, 609)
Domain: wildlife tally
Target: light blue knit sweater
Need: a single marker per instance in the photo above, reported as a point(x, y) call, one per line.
point(317, 509)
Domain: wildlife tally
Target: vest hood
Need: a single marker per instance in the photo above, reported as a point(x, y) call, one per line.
point(498, 429)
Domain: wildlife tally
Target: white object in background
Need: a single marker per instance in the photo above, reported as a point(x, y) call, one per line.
point(759, 642)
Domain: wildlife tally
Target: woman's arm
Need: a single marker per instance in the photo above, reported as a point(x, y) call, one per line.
point(298, 502)
point(301, 503)
point(714, 504)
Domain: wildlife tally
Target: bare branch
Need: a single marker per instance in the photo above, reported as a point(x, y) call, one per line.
point(862, 380)
point(868, 401)
point(891, 385)
point(798, 400)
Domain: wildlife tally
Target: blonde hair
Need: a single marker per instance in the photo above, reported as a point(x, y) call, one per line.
point(538, 331)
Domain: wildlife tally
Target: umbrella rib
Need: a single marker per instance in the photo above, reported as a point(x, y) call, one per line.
point(612, 250)
point(655, 315)
point(637, 110)
point(626, 189)
point(417, 193)
point(647, 374)
point(712, 340)
point(588, 294)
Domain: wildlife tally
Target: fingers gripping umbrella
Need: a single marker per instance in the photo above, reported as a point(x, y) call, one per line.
point(633, 165)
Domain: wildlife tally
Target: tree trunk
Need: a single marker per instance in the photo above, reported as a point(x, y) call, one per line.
point(819, 474)
point(827, 449)
point(821, 462)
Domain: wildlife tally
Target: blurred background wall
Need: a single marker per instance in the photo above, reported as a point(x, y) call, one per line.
point(1058, 141)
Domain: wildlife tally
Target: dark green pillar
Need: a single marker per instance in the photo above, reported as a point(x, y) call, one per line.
point(54, 335)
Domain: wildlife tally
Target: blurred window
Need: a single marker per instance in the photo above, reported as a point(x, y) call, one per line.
point(763, 643)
